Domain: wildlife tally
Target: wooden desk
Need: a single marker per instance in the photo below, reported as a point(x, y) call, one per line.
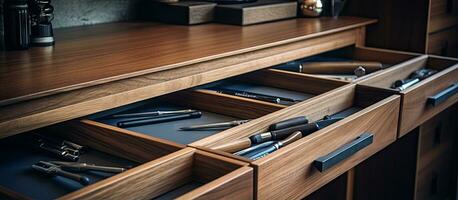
point(100, 67)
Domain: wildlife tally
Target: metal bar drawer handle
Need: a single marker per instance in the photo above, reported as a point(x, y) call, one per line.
point(347, 150)
point(442, 95)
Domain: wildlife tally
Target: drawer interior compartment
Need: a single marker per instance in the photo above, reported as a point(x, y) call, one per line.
point(341, 64)
point(401, 72)
point(214, 107)
point(365, 110)
point(422, 98)
point(153, 169)
point(20, 152)
point(276, 88)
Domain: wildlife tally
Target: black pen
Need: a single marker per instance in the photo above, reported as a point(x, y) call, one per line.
point(257, 96)
point(141, 122)
point(153, 113)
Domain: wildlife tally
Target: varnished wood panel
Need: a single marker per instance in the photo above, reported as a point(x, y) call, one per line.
point(32, 114)
point(414, 108)
point(236, 185)
point(143, 182)
point(97, 54)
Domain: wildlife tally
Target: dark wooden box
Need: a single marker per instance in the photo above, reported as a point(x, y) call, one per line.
point(183, 12)
point(257, 12)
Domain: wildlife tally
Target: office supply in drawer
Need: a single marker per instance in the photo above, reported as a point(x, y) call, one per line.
point(221, 125)
point(153, 113)
point(257, 96)
point(54, 170)
point(157, 120)
point(277, 145)
point(414, 78)
point(305, 129)
point(339, 67)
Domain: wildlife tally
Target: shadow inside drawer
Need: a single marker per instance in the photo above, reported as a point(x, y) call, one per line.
point(188, 187)
point(16, 172)
point(262, 89)
point(171, 130)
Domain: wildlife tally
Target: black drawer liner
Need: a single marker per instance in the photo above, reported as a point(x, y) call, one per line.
point(17, 157)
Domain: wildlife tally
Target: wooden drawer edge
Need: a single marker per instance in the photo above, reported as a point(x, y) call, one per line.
point(239, 177)
point(315, 136)
point(106, 186)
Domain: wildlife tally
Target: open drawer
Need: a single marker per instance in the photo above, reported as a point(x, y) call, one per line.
point(154, 169)
point(375, 58)
point(298, 169)
point(214, 107)
point(426, 98)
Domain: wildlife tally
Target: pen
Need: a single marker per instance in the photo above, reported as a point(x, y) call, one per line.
point(153, 113)
point(214, 125)
point(141, 122)
point(257, 96)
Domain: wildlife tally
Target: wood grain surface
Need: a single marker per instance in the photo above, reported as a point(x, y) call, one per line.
point(92, 55)
point(36, 113)
point(143, 182)
point(117, 141)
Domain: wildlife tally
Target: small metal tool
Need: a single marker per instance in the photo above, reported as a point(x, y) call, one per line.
point(55, 170)
point(58, 151)
point(153, 113)
point(222, 125)
point(360, 71)
point(254, 148)
point(80, 167)
point(290, 139)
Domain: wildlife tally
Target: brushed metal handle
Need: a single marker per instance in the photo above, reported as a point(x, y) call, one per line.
point(325, 162)
point(442, 95)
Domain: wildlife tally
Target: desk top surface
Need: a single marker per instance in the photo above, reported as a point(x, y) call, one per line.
point(86, 56)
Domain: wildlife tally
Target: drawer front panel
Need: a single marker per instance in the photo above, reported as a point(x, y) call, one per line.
point(443, 14)
point(415, 109)
point(291, 174)
point(436, 135)
point(444, 43)
point(435, 181)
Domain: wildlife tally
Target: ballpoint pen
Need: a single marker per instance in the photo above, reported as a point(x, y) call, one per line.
point(55, 170)
point(79, 167)
point(222, 125)
point(257, 96)
point(153, 113)
point(146, 121)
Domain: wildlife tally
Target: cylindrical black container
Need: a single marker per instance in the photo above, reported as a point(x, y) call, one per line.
point(16, 24)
